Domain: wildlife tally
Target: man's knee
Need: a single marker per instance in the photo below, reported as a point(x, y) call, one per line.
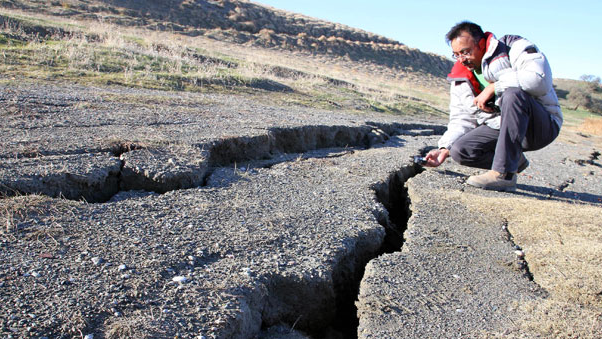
point(514, 94)
point(457, 153)
point(466, 154)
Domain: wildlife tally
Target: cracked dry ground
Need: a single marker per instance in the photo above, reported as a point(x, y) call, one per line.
point(219, 217)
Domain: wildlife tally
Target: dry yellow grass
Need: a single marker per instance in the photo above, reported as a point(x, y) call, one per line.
point(584, 134)
point(20, 216)
point(563, 247)
point(591, 126)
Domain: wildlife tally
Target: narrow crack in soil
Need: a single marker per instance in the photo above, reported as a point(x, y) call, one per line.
point(594, 156)
point(349, 272)
point(520, 263)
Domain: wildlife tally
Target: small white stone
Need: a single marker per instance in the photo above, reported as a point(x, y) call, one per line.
point(519, 253)
point(35, 274)
point(89, 336)
point(180, 279)
point(97, 261)
point(122, 267)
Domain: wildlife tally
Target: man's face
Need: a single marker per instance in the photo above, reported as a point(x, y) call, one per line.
point(467, 50)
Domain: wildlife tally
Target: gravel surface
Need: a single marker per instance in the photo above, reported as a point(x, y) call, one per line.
point(219, 217)
point(268, 245)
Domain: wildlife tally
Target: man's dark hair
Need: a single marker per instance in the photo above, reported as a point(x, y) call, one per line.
point(465, 26)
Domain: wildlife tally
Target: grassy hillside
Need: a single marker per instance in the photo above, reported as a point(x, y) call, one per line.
point(50, 48)
point(234, 46)
point(243, 22)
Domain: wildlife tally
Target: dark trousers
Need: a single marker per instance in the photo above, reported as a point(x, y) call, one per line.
point(525, 126)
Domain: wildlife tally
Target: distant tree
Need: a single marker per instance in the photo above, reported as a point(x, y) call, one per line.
point(593, 81)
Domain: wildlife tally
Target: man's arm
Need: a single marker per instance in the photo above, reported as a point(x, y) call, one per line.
point(462, 119)
point(530, 70)
point(461, 114)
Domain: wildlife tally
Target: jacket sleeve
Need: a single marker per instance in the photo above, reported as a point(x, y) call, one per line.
point(530, 70)
point(462, 118)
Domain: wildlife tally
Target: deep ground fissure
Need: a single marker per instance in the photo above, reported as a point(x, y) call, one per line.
point(393, 195)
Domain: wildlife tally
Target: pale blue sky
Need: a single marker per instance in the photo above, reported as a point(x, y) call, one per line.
point(568, 32)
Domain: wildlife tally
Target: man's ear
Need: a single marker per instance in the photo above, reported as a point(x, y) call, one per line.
point(483, 44)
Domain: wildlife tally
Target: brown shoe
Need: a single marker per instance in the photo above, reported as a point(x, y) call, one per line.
point(492, 180)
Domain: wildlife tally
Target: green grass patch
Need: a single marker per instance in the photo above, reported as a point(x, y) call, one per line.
point(8, 40)
point(576, 117)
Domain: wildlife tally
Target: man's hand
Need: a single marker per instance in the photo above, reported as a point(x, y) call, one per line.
point(436, 157)
point(481, 99)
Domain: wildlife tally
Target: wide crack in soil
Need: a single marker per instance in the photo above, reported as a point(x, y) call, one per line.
point(348, 271)
point(393, 195)
point(136, 166)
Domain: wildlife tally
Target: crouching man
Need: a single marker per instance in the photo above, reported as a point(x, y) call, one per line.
point(502, 103)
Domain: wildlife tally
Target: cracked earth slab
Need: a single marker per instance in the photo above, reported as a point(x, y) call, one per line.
point(457, 274)
point(564, 171)
point(93, 176)
point(276, 243)
point(272, 245)
point(67, 119)
point(264, 243)
point(165, 140)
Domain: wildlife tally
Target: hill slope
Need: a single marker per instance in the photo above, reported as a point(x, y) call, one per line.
point(248, 23)
point(206, 48)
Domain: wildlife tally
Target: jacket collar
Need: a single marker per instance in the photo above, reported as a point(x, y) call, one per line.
point(491, 45)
